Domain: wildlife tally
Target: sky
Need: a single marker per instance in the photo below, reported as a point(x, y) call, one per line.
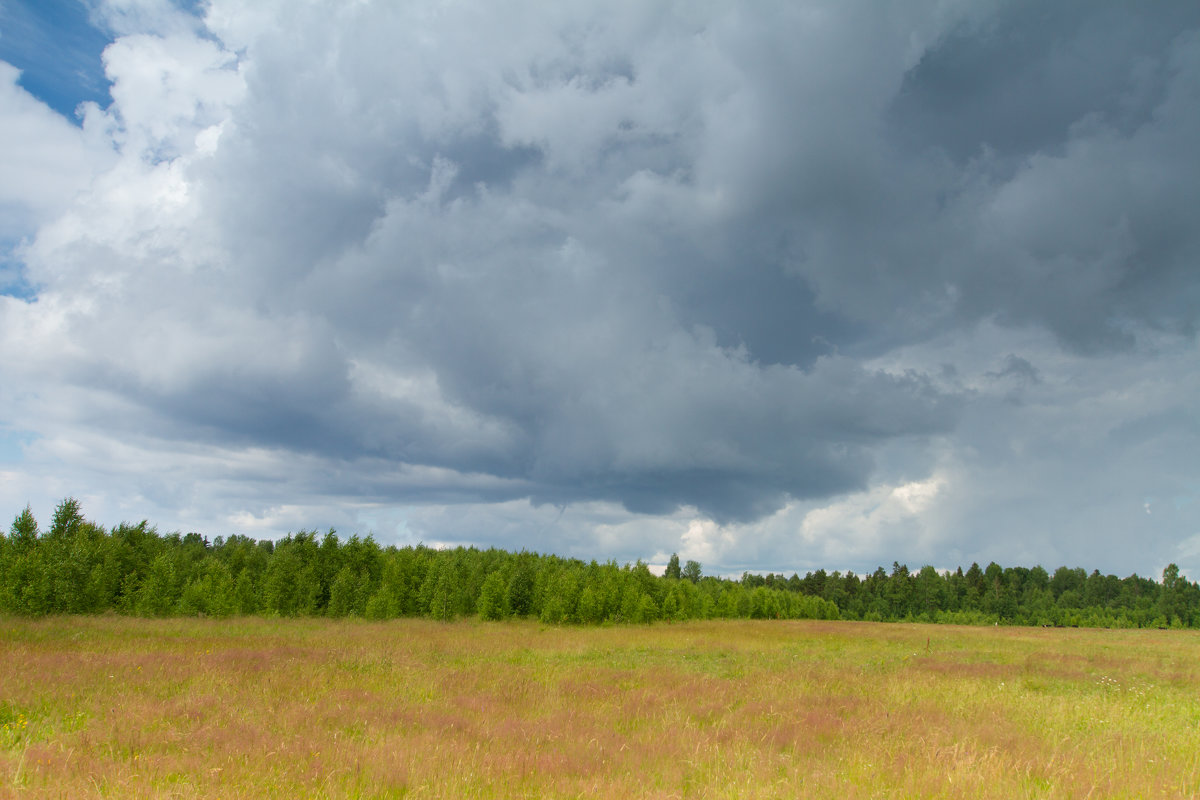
point(775, 286)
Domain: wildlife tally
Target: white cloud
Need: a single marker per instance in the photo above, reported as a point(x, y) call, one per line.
point(166, 90)
point(44, 159)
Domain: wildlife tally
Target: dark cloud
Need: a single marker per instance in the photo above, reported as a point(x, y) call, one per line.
point(1017, 82)
point(1030, 166)
point(1017, 369)
point(781, 268)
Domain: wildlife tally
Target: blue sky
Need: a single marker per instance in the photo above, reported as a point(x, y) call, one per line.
point(57, 47)
point(772, 289)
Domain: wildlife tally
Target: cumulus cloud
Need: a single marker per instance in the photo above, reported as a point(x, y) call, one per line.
point(44, 160)
point(744, 283)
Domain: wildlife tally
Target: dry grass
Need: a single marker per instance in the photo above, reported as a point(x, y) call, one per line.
point(115, 707)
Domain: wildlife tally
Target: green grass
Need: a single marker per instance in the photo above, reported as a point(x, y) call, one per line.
point(117, 707)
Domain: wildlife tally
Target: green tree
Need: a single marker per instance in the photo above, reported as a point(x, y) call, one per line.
point(346, 593)
point(521, 585)
point(590, 609)
point(1067, 580)
point(491, 597)
point(690, 605)
point(31, 581)
point(442, 603)
point(647, 610)
point(1038, 578)
point(930, 592)
point(245, 593)
point(764, 604)
point(67, 518)
point(73, 551)
point(1172, 604)
point(691, 571)
point(673, 572)
point(280, 583)
point(644, 579)
point(24, 532)
point(671, 606)
point(159, 593)
point(899, 591)
point(976, 587)
point(211, 593)
point(553, 611)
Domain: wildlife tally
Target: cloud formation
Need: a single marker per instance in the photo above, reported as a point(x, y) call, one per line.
point(778, 286)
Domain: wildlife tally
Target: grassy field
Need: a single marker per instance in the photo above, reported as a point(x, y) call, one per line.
point(251, 708)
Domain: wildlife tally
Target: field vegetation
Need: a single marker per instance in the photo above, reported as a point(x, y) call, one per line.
point(112, 706)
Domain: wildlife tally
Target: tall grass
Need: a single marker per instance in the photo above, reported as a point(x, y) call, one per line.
point(118, 707)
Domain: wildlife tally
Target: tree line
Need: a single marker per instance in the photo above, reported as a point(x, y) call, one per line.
point(79, 567)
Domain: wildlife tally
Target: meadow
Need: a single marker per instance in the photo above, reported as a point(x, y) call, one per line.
point(110, 706)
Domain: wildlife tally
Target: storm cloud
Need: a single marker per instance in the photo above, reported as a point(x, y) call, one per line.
point(776, 286)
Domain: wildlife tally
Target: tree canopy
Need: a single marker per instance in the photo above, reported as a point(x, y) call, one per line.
point(78, 567)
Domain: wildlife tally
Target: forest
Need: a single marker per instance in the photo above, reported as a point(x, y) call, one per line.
point(79, 567)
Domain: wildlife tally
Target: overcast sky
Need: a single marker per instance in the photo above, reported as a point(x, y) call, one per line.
point(777, 286)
